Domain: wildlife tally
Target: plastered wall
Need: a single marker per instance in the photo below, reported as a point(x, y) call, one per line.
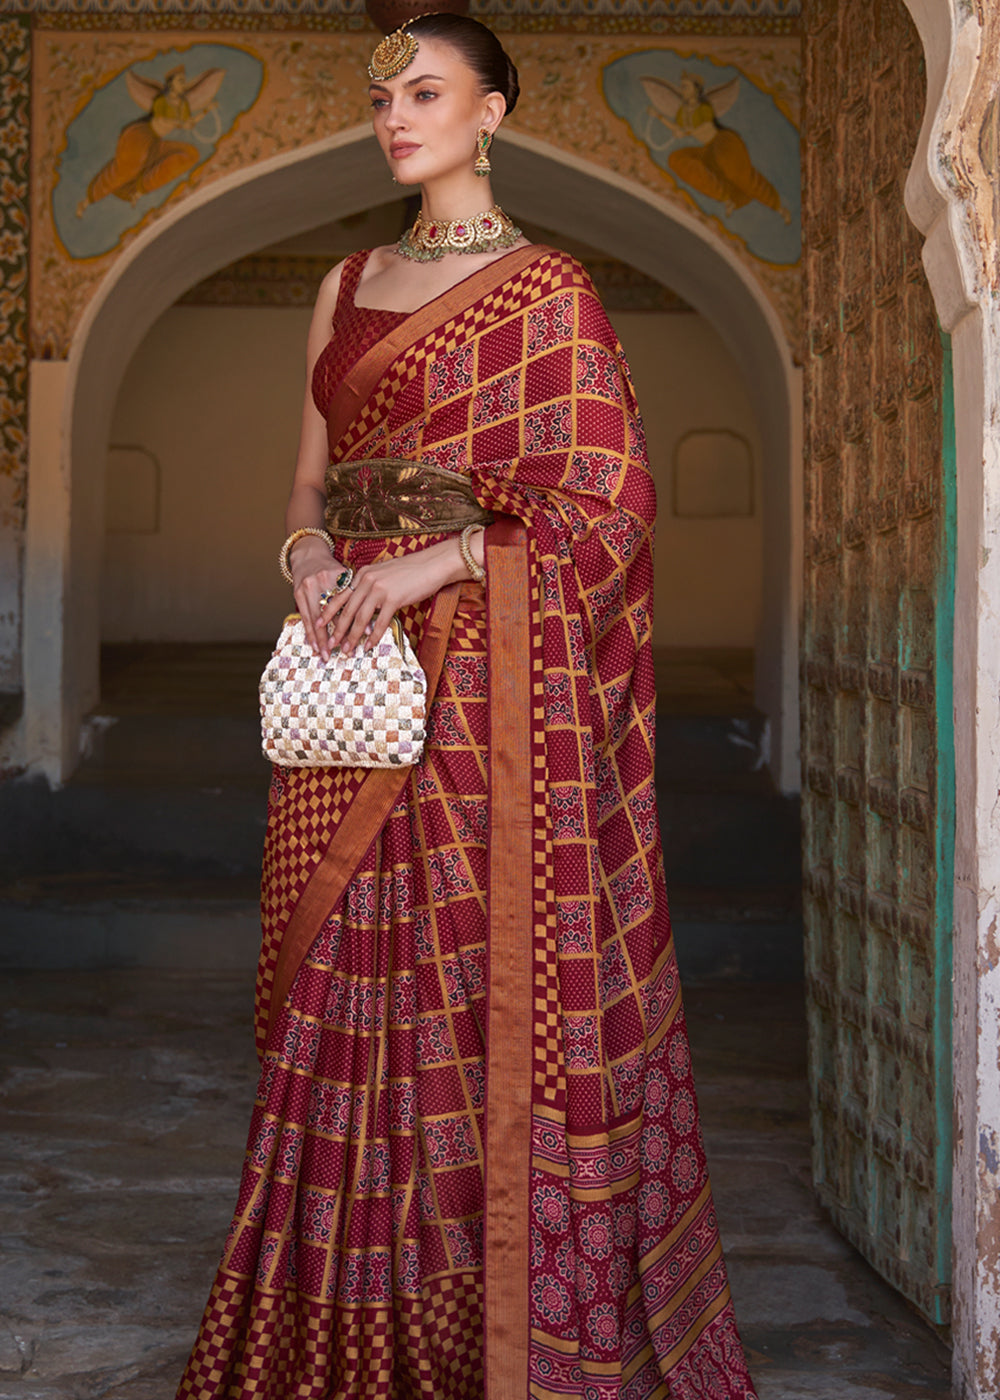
point(708, 571)
point(206, 427)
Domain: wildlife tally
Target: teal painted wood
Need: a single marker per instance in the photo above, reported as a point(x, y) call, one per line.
point(944, 697)
point(877, 738)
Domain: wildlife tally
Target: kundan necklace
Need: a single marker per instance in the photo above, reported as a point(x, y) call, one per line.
point(428, 240)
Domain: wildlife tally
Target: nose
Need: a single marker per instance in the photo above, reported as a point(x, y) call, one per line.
point(394, 118)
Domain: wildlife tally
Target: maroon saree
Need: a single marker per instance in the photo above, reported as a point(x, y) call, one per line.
point(474, 1165)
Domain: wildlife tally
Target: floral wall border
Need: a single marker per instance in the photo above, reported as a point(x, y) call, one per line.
point(642, 10)
point(15, 72)
point(564, 21)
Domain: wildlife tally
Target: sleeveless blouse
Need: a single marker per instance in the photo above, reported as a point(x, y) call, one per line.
point(353, 332)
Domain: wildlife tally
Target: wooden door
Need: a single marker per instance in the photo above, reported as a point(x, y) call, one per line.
point(878, 788)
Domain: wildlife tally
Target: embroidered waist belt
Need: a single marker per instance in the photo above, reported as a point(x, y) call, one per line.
point(390, 496)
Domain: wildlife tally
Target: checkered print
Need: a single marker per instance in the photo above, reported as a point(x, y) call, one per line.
point(364, 710)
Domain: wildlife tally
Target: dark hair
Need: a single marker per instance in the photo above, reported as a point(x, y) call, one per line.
point(478, 46)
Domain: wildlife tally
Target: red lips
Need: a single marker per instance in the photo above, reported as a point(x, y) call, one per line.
point(402, 148)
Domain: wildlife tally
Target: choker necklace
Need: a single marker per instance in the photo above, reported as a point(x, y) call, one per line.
point(428, 240)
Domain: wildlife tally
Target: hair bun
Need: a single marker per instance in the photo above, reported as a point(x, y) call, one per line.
point(388, 15)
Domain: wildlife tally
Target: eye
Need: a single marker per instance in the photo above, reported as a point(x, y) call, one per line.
point(425, 92)
point(378, 102)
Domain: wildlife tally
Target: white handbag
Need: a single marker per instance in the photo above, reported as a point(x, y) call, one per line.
point(367, 709)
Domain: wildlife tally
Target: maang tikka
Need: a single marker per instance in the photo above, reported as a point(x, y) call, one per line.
point(395, 52)
point(484, 139)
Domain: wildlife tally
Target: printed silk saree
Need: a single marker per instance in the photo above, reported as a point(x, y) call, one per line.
point(474, 1166)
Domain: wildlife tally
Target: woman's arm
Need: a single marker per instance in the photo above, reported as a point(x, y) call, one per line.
point(313, 566)
point(378, 590)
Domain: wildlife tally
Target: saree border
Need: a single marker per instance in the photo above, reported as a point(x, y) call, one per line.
point(510, 1001)
point(351, 841)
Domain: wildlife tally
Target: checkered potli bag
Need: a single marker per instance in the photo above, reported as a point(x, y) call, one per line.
point(364, 710)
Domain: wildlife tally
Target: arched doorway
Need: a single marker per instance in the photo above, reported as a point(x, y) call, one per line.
point(290, 194)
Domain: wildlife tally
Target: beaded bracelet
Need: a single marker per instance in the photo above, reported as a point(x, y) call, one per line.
point(293, 539)
point(476, 570)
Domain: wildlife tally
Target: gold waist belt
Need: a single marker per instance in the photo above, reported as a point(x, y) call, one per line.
point(389, 496)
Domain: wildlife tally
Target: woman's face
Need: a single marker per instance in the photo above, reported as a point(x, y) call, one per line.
point(426, 118)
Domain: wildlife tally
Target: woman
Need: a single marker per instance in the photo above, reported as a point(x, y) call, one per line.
point(474, 1164)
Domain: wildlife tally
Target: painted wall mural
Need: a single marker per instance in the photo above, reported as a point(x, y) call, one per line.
point(720, 139)
point(138, 137)
point(125, 122)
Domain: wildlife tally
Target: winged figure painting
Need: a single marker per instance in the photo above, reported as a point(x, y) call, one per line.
point(144, 158)
point(718, 163)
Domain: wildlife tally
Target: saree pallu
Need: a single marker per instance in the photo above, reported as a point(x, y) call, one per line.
point(475, 1166)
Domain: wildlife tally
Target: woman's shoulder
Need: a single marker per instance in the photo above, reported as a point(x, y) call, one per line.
point(558, 264)
point(558, 271)
point(345, 273)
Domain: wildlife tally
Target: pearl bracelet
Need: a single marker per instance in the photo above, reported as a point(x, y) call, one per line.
point(293, 539)
point(468, 558)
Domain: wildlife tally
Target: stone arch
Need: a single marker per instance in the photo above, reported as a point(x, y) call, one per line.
point(296, 191)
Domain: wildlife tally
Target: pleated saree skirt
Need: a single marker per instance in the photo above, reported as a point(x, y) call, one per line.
point(353, 1266)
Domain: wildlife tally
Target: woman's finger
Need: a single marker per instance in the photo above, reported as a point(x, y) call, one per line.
point(305, 612)
point(334, 593)
point(353, 599)
point(377, 628)
point(353, 625)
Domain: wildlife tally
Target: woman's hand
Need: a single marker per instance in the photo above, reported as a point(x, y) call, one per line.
point(315, 570)
point(364, 610)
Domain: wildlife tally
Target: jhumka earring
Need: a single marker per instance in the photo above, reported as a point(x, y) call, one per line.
point(484, 139)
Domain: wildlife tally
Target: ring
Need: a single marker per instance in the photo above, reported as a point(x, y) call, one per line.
point(343, 580)
point(325, 597)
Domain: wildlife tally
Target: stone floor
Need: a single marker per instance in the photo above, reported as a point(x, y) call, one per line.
point(125, 1099)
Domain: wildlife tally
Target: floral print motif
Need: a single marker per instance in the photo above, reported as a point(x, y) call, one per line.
point(595, 1236)
point(656, 1092)
point(684, 1169)
point(317, 1214)
point(683, 1115)
point(498, 398)
point(15, 65)
point(680, 1055)
point(450, 1141)
point(602, 1325)
point(655, 1148)
point(550, 323)
point(585, 1281)
point(551, 1208)
point(580, 1041)
point(551, 1298)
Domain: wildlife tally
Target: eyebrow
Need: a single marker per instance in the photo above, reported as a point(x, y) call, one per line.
point(411, 82)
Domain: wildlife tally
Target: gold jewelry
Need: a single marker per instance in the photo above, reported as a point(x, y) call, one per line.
point(484, 140)
point(396, 52)
point(342, 581)
point(428, 241)
point(293, 539)
point(468, 558)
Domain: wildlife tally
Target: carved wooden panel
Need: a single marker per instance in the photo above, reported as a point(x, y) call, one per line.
point(877, 800)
